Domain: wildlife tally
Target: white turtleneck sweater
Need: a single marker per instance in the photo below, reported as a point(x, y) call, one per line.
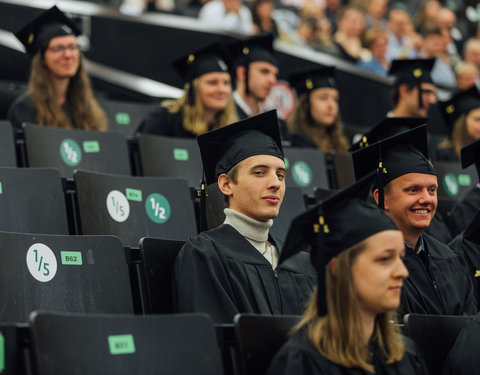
point(256, 232)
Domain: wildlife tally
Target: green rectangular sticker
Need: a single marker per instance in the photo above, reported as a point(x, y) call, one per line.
point(1, 188)
point(121, 344)
point(180, 154)
point(2, 352)
point(464, 180)
point(134, 194)
point(71, 258)
point(91, 146)
point(122, 118)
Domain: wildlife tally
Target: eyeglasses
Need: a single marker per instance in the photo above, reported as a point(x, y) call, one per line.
point(61, 49)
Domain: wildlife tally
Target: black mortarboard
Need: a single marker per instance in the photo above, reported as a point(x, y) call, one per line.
point(412, 70)
point(471, 154)
point(416, 71)
point(313, 79)
point(335, 224)
point(392, 157)
point(37, 33)
point(388, 127)
point(257, 48)
point(461, 103)
point(208, 59)
point(223, 148)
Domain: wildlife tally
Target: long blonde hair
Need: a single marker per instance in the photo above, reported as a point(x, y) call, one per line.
point(460, 137)
point(337, 335)
point(80, 103)
point(192, 113)
point(329, 139)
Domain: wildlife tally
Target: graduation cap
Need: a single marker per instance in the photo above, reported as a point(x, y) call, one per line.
point(313, 79)
point(471, 154)
point(388, 127)
point(416, 71)
point(392, 157)
point(37, 33)
point(223, 148)
point(208, 59)
point(334, 225)
point(461, 103)
point(257, 48)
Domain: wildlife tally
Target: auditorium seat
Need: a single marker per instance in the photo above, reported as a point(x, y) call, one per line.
point(157, 258)
point(71, 149)
point(32, 200)
point(306, 168)
point(62, 273)
point(123, 345)
point(170, 157)
point(259, 339)
point(134, 207)
point(8, 157)
point(344, 174)
point(14, 348)
point(125, 116)
point(434, 335)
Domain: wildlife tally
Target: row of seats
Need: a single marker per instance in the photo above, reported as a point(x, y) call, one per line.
point(149, 155)
point(146, 155)
point(56, 343)
point(38, 200)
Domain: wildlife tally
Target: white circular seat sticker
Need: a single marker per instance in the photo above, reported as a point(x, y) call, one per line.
point(41, 262)
point(118, 206)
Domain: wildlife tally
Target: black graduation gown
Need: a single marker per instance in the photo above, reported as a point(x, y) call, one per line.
point(463, 211)
point(448, 292)
point(161, 122)
point(240, 112)
point(438, 229)
point(301, 140)
point(220, 273)
point(20, 111)
point(463, 358)
point(298, 356)
point(468, 244)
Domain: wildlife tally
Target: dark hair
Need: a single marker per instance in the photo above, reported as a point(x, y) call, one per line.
point(396, 91)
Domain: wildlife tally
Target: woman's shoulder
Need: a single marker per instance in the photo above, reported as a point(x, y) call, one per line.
point(161, 121)
point(21, 110)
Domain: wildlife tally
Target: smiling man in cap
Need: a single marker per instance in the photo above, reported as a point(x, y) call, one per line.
point(234, 268)
point(406, 188)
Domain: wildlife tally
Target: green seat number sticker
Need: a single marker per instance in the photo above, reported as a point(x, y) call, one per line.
point(122, 118)
point(70, 152)
point(2, 352)
point(301, 173)
point(71, 258)
point(450, 184)
point(180, 154)
point(121, 344)
point(91, 146)
point(157, 208)
point(464, 180)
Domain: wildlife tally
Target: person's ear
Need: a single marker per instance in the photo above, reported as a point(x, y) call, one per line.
point(332, 265)
point(376, 196)
point(225, 184)
point(240, 73)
